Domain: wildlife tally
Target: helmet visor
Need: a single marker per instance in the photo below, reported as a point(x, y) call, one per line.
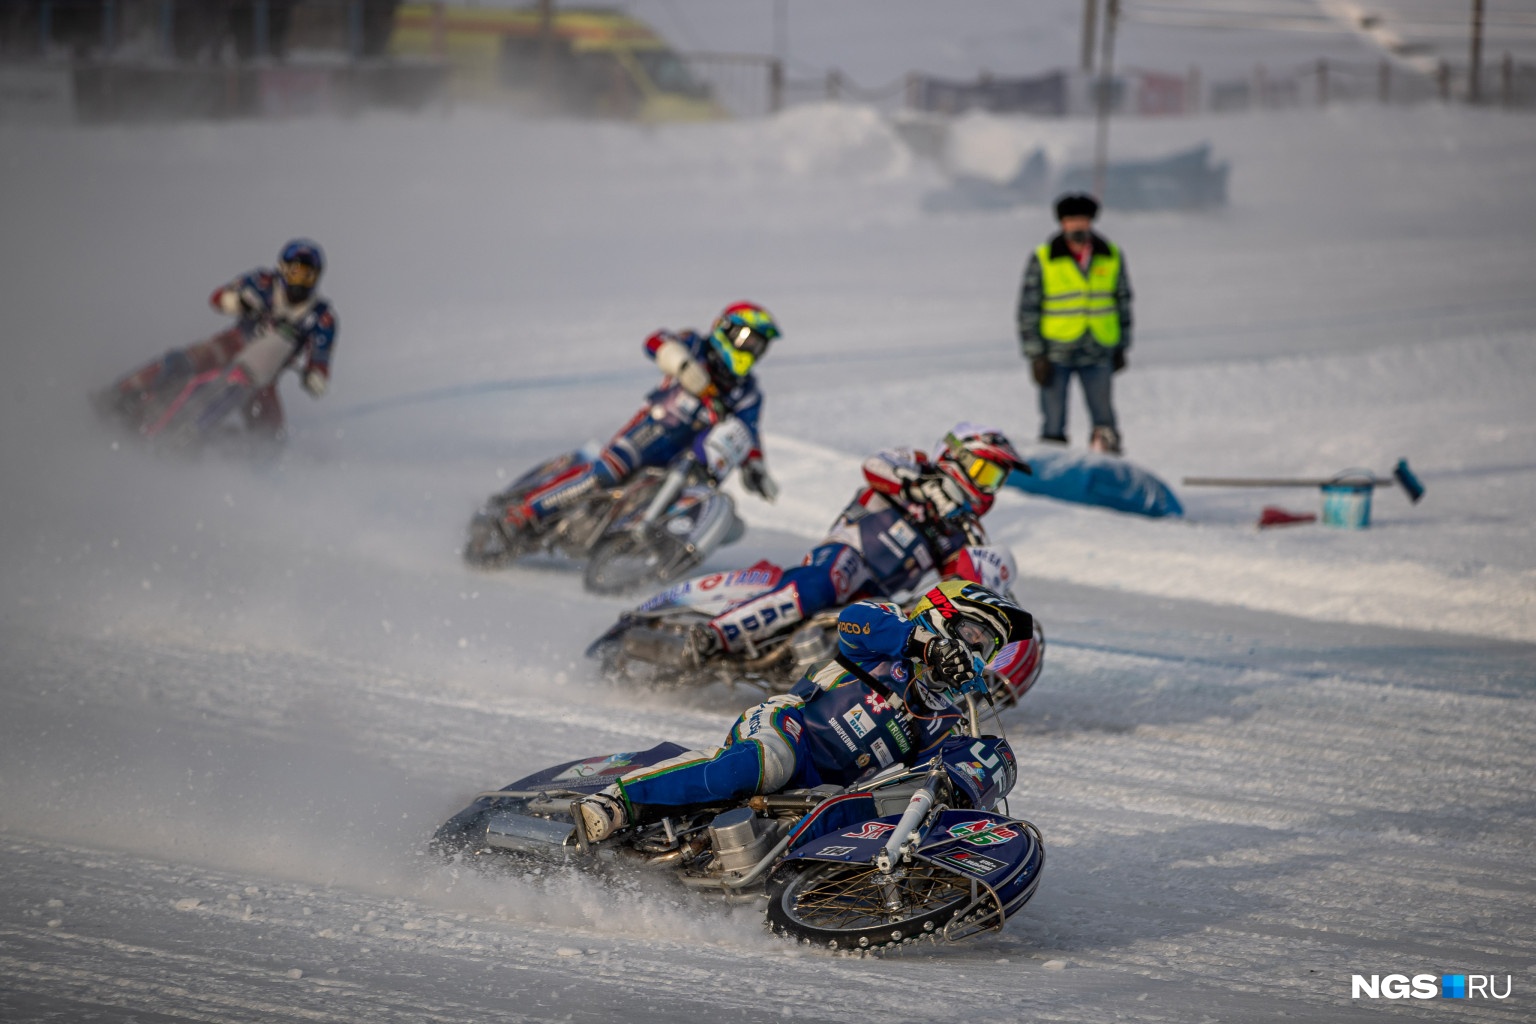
point(299, 275)
point(977, 637)
point(740, 346)
point(987, 475)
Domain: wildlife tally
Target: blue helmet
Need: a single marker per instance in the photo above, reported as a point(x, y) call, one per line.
point(300, 265)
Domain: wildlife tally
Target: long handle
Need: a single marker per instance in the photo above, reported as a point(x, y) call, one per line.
point(1241, 481)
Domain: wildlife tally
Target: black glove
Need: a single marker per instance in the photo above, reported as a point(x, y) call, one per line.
point(950, 662)
point(755, 478)
point(1118, 360)
point(1043, 370)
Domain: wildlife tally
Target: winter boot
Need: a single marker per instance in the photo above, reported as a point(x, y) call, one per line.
point(1106, 440)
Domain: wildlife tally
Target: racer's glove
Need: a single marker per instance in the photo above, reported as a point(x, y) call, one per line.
point(755, 478)
point(936, 493)
point(673, 359)
point(315, 381)
point(950, 662)
point(1042, 370)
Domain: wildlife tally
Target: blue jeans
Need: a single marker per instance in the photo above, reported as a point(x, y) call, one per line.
point(1096, 379)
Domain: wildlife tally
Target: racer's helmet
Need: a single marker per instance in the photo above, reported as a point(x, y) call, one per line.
point(984, 619)
point(739, 338)
point(978, 459)
point(300, 265)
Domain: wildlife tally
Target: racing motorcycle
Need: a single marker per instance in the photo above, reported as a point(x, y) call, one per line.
point(185, 409)
point(649, 644)
point(654, 526)
point(903, 855)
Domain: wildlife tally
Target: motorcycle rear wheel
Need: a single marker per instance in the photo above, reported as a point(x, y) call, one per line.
point(846, 906)
point(631, 560)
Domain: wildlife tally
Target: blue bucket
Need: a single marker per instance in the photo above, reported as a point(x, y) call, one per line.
point(1347, 504)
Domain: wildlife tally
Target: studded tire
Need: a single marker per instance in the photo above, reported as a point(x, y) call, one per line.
point(843, 906)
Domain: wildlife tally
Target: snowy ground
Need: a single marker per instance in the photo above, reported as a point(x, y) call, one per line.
point(234, 700)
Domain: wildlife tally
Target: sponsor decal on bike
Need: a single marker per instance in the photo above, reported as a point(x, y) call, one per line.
point(750, 578)
point(871, 830)
point(711, 581)
point(592, 767)
point(974, 771)
point(971, 863)
point(882, 753)
point(898, 734)
point(984, 833)
point(668, 597)
point(859, 721)
point(835, 851)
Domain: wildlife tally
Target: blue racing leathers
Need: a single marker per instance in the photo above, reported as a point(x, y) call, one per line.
point(672, 420)
point(861, 711)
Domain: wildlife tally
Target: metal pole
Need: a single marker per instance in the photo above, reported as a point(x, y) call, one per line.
point(260, 15)
point(355, 28)
point(547, 53)
point(168, 29)
point(108, 26)
point(1474, 73)
point(1106, 81)
point(1090, 29)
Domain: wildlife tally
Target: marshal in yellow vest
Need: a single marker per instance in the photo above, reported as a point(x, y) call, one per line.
point(1074, 303)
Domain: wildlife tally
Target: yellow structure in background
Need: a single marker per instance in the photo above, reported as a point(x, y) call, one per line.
point(591, 62)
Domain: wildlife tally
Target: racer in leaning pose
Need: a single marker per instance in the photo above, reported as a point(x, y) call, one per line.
point(708, 377)
point(284, 296)
point(913, 515)
point(889, 695)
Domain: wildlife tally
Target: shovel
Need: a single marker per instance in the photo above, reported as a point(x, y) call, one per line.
point(1400, 474)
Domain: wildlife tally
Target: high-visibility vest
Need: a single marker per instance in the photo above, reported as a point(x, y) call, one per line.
point(1074, 304)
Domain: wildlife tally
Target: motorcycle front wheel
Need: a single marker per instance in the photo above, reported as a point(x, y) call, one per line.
point(854, 906)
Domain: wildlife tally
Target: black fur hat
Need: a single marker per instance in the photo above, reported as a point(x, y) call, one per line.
point(1077, 204)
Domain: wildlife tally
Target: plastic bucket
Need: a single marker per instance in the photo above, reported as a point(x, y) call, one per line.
point(1346, 505)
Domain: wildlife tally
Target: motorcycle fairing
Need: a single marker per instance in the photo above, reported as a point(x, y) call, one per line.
point(714, 592)
point(591, 774)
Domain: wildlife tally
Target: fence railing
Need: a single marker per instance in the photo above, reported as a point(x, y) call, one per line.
point(192, 30)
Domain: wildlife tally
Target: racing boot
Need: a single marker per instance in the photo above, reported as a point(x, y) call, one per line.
point(700, 643)
point(599, 816)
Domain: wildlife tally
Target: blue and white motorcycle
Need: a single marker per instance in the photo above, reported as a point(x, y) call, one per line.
point(655, 526)
point(904, 854)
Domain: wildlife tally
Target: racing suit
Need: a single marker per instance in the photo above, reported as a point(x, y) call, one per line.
point(862, 710)
point(253, 298)
point(887, 539)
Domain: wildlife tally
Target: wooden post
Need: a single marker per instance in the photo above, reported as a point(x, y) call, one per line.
point(1474, 71)
point(439, 30)
point(1090, 29)
point(775, 86)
